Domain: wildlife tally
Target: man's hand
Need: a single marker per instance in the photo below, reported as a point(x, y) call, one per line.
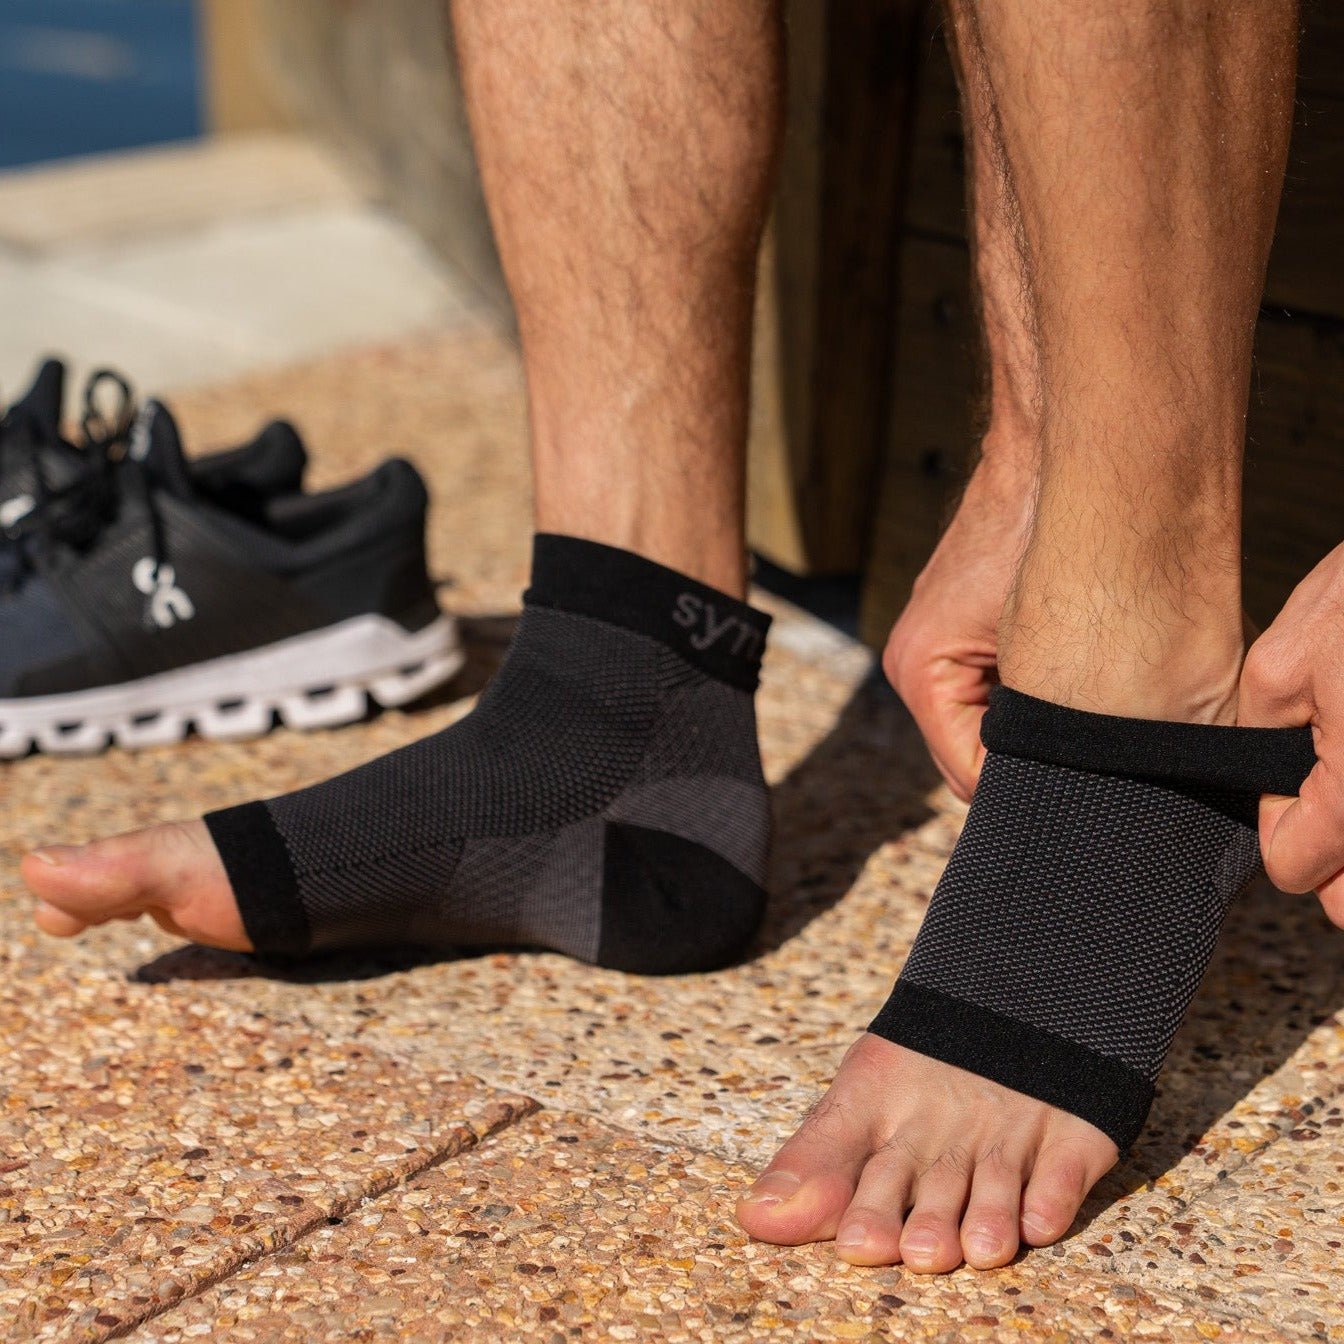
point(1294, 674)
point(941, 654)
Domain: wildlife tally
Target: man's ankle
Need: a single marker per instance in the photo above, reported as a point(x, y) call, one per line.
point(1111, 660)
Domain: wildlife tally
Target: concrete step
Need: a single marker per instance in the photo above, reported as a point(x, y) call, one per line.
point(186, 264)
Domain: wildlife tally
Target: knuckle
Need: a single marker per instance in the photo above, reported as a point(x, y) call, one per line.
point(996, 1162)
point(827, 1118)
point(954, 1160)
point(892, 657)
point(1066, 1172)
point(1269, 673)
point(1273, 675)
point(922, 1222)
point(900, 1150)
point(1286, 875)
point(899, 661)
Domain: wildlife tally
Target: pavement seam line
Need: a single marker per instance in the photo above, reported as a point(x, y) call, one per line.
point(1180, 1207)
point(1091, 1276)
point(509, 1110)
point(1077, 1275)
point(1314, 1104)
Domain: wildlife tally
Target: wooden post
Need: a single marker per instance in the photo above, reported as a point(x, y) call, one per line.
point(826, 316)
point(240, 89)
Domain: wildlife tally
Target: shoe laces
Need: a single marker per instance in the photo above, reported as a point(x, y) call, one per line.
point(73, 516)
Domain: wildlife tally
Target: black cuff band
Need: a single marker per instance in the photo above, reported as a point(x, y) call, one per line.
point(257, 861)
point(1104, 1092)
point(721, 636)
point(1247, 760)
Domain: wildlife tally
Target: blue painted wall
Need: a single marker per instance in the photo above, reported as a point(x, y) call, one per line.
point(82, 76)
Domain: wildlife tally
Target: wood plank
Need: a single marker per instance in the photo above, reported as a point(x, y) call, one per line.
point(1294, 509)
point(241, 92)
point(1303, 274)
point(936, 201)
point(826, 314)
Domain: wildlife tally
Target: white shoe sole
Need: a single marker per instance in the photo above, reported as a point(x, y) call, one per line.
point(317, 680)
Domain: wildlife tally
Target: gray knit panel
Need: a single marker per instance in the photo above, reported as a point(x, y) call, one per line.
point(492, 831)
point(556, 736)
point(722, 813)
point(1084, 905)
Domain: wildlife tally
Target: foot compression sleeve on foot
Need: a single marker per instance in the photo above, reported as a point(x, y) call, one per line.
point(604, 798)
point(1081, 905)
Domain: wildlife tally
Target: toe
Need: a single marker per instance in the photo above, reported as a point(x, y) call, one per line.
point(172, 872)
point(88, 884)
point(870, 1231)
point(930, 1240)
point(802, 1194)
point(56, 922)
point(1064, 1171)
point(989, 1227)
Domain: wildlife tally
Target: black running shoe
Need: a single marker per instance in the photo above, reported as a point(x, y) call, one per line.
point(35, 458)
point(140, 607)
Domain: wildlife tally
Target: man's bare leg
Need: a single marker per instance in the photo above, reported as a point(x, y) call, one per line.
point(942, 654)
point(1145, 147)
point(627, 151)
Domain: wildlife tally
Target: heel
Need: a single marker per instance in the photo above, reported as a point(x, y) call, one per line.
point(671, 906)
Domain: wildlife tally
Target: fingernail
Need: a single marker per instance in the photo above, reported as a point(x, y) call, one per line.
point(55, 855)
point(852, 1234)
point(983, 1244)
point(1035, 1225)
point(921, 1243)
point(773, 1188)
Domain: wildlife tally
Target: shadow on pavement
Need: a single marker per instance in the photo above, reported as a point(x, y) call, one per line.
point(866, 782)
point(1278, 974)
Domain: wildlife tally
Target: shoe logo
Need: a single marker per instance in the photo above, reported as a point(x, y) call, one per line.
point(138, 441)
point(167, 603)
point(708, 628)
point(15, 510)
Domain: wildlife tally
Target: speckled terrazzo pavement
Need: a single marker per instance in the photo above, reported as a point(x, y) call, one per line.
point(193, 1145)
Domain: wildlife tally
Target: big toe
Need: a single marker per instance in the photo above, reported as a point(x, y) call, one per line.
point(171, 872)
point(789, 1207)
point(804, 1192)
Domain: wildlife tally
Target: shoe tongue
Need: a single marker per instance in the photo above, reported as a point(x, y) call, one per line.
point(156, 445)
point(44, 400)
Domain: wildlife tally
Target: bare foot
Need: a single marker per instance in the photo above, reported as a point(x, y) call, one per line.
point(909, 1160)
point(171, 873)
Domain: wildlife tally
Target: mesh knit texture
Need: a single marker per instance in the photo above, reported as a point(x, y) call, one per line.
point(498, 830)
point(1071, 929)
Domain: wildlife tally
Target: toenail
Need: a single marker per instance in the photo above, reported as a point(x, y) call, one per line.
point(773, 1188)
point(54, 855)
point(1036, 1225)
point(984, 1244)
point(852, 1234)
point(921, 1243)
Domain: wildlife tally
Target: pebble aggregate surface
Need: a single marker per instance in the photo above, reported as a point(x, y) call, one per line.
point(510, 1146)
